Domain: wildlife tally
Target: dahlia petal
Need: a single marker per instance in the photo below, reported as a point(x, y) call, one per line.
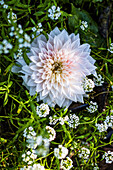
point(25, 78)
point(32, 91)
point(49, 46)
point(75, 44)
point(34, 67)
point(42, 44)
point(38, 80)
point(85, 47)
point(73, 37)
point(92, 61)
point(63, 36)
point(57, 43)
point(39, 64)
point(31, 83)
point(41, 37)
point(67, 44)
point(35, 51)
point(34, 59)
point(56, 31)
point(27, 69)
point(80, 98)
point(39, 87)
point(43, 50)
point(45, 92)
point(67, 103)
point(15, 69)
point(21, 61)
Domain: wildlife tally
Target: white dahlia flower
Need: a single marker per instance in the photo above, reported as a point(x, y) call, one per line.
point(57, 69)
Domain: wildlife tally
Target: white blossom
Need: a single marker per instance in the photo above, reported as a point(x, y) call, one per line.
point(57, 69)
point(93, 107)
point(52, 133)
point(43, 110)
point(60, 152)
point(66, 164)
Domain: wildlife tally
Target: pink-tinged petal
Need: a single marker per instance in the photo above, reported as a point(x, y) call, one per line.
point(43, 51)
point(34, 59)
point(38, 80)
point(34, 67)
point(39, 64)
point(67, 44)
point(55, 32)
point(57, 43)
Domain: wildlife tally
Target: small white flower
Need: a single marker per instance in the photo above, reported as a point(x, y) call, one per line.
point(93, 107)
point(111, 48)
point(43, 110)
point(84, 25)
point(84, 153)
point(98, 80)
point(66, 164)
point(12, 17)
point(54, 13)
point(52, 133)
point(88, 85)
point(60, 152)
point(33, 29)
point(5, 6)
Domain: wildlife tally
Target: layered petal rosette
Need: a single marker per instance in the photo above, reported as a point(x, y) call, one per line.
point(57, 69)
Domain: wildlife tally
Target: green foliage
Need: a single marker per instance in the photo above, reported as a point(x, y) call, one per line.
point(18, 108)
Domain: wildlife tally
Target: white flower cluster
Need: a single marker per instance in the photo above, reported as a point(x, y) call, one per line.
point(66, 164)
point(52, 133)
point(5, 47)
point(4, 5)
point(60, 152)
point(93, 107)
point(84, 153)
point(53, 120)
point(73, 121)
point(54, 13)
point(38, 144)
point(108, 156)
point(111, 48)
point(34, 167)
point(84, 25)
point(99, 80)
point(107, 123)
point(88, 85)
point(37, 30)
point(12, 17)
point(43, 110)
point(24, 40)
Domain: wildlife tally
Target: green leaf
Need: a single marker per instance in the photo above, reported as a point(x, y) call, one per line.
point(39, 13)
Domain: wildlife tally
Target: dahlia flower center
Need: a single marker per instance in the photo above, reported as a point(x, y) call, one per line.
point(56, 67)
